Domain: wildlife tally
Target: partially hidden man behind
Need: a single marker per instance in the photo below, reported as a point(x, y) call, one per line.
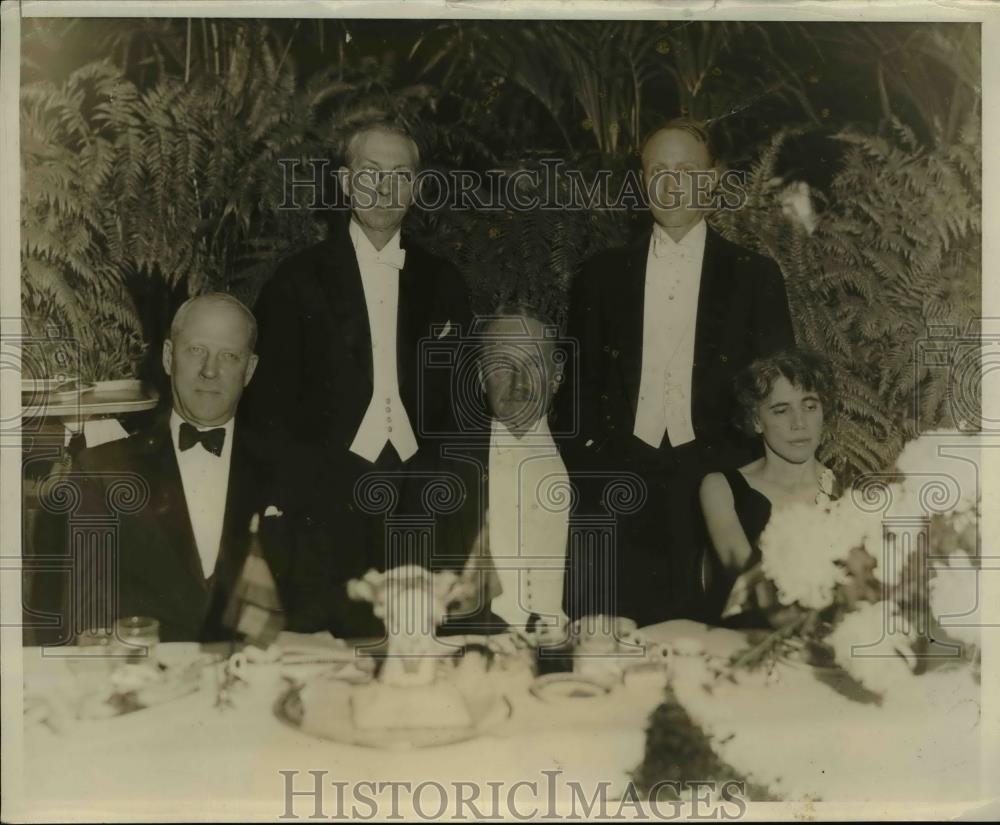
point(340, 380)
point(188, 485)
point(663, 326)
point(516, 515)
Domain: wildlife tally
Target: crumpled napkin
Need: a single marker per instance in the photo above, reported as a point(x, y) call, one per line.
point(127, 688)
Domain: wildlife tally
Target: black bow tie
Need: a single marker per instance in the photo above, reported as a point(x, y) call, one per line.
point(211, 440)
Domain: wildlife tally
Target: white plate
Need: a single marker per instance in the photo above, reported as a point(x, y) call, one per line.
point(337, 721)
point(567, 687)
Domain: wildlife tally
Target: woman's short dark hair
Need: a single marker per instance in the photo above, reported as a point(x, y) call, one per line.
point(804, 369)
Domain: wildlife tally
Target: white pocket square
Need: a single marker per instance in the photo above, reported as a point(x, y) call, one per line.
point(272, 511)
point(445, 330)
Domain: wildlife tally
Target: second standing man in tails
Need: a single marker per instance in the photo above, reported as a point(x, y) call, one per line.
point(662, 328)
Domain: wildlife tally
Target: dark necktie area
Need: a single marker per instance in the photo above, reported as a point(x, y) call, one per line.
point(212, 440)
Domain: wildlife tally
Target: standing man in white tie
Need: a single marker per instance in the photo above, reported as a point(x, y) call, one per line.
point(181, 492)
point(340, 383)
point(662, 327)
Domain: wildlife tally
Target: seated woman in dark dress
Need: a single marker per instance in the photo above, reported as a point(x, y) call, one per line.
point(783, 399)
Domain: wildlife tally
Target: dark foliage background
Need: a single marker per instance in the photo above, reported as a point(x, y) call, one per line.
point(150, 171)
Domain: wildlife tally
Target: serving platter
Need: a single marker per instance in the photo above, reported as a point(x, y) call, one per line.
point(336, 722)
point(48, 398)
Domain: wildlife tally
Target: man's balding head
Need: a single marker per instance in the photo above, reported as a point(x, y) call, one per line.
point(217, 298)
point(520, 366)
point(679, 171)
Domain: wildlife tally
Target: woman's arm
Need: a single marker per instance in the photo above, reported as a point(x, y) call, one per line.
point(724, 528)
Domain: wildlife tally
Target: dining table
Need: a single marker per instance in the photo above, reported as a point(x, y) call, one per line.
point(195, 757)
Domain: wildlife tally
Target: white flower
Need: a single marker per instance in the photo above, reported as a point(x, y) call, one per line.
point(827, 484)
point(409, 596)
point(799, 548)
point(796, 204)
point(863, 646)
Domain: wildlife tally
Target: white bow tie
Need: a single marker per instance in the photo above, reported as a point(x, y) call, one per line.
point(394, 257)
point(663, 244)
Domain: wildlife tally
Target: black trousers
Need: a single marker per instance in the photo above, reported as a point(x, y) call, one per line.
point(636, 536)
point(350, 516)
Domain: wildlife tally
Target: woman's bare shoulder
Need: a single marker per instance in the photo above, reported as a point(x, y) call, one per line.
point(715, 485)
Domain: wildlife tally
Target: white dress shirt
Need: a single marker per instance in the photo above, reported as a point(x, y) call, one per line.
point(386, 418)
point(205, 478)
point(670, 309)
point(528, 517)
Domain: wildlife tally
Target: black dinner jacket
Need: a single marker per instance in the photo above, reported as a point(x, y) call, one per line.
point(742, 314)
point(314, 378)
point(159, 570)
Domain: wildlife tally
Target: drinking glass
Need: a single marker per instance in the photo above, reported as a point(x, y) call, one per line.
point(137, 637)
point(93, 659)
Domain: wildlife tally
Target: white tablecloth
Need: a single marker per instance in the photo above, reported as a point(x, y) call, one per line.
point(802, 733)
point(190, 756)
point(796, 734)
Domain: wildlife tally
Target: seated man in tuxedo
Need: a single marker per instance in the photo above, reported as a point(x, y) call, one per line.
point(662, 328)
point(518, 506)
point(184, 490)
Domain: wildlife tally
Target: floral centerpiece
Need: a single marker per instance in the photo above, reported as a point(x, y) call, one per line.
point(412, 602)
point(880, 587)
point(426, 691)
point(870, 578)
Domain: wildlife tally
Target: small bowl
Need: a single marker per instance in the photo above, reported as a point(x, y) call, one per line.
point(567, 687)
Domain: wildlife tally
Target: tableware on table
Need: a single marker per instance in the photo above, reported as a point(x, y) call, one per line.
point(182, 654)
point(134, 687)
point(137, 638)
point(95, 637)
point(109, 681)
point(93, 659)
point(606, 634)
point(605, 646)
point(326, 707)
point(562, 687)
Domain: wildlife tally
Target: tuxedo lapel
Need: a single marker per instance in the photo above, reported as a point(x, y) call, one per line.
point(408, 313)
point(340, 281)
point(712, 301)
point(242, 499)
point(169, 508)
point(632, 317)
